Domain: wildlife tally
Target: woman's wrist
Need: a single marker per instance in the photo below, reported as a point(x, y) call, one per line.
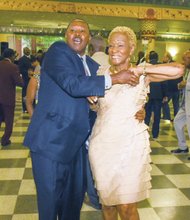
point(138, 70)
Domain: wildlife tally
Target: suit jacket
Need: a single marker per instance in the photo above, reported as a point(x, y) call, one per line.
point(60, 122)
point(158, 90)
point(24, 65)
point(9, 79)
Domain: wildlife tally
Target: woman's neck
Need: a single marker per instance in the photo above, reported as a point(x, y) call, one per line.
point(116, 69)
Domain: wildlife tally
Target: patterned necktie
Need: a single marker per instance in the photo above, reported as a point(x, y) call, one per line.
point(87, 72)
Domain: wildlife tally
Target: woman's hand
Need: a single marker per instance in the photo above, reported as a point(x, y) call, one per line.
point(140, 115)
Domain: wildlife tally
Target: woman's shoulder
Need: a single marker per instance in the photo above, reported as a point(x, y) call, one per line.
point(103, 70)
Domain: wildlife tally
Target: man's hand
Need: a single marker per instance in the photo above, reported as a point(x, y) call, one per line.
point(125, 77)
point(92, 99)
point(140, 115)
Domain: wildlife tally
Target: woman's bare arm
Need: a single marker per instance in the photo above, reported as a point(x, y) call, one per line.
point(31, 94)
point(160, 72)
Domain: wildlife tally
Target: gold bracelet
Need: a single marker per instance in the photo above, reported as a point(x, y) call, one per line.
point(144, 70)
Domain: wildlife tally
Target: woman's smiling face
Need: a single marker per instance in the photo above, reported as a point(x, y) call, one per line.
point(119, 49)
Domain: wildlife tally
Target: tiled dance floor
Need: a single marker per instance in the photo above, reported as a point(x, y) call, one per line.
point(170, 194)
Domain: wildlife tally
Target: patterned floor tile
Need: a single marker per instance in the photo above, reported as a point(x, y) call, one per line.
point(156, 171)
point(148, 214)
point(165, 159)
point(20, 129)
point(168, 198)
point(159, 150)
point(12, 163)
point(155, 144)
point(181, 180)
point(25, 217)
point(143, 204)
point(7, 204)
point(161, 182)
point(14, 154)
point(26, 204)
point(6, 217)
point(17, 139)
point(92, 215)
point(186, 192)
point(174, 168)
point(173, 213)
point(28, 173)
point(27, 187)
point(9, 187)
point(28, 163)
point(166, 137)
point(11, 173)
point(169, 143)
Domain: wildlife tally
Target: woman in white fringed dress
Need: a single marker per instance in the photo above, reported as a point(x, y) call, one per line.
point(119, 149)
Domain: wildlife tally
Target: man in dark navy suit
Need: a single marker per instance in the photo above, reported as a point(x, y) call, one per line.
point(60, 124)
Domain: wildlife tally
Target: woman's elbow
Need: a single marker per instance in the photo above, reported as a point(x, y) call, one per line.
point(181, 70)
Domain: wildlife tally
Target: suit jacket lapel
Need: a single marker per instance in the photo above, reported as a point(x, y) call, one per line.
point(91, 66)
point(79, 61)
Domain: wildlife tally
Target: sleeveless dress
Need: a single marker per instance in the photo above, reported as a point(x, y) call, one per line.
point(119, 150)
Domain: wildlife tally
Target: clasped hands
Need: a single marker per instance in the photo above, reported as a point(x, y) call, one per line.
point(129, 77)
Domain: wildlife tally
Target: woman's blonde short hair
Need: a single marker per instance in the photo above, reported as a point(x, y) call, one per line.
point(125, 30)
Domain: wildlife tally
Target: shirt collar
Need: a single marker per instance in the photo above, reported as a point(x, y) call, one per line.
point(83, 57)
point(27, 56)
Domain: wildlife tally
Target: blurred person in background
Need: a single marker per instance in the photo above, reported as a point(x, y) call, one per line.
point(24, 65)
point(9, 79)
point(96, 50)
point(182, 118)
point(173, 92)
point(157, 95)
point(34, 84)
point(141, 57)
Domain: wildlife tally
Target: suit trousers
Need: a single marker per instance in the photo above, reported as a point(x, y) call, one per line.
point(180, 121)
point(60, 187)
point(24, 89)
point(153, 105)
point(7, 115)
point(91, 190)
point(174, 96)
